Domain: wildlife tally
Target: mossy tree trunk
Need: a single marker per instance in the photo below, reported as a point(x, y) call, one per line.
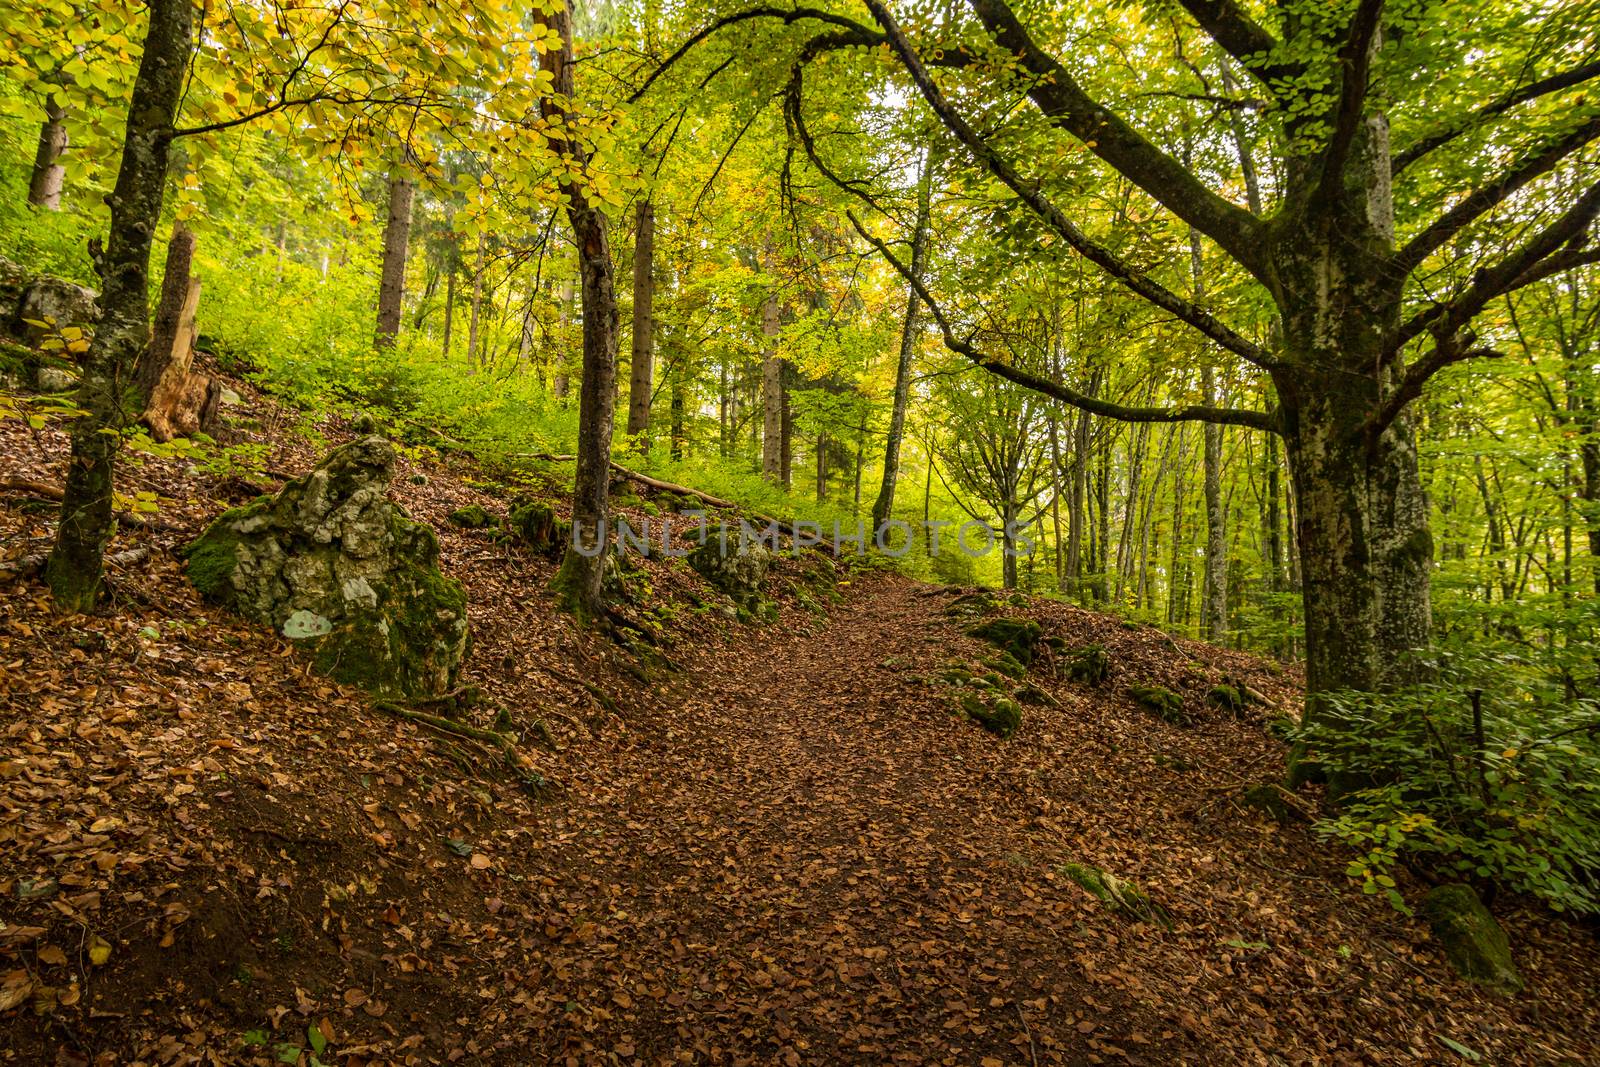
point(578, 582)
point(74, 570)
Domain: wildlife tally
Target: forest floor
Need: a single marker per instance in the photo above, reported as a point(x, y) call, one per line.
point(787, 850)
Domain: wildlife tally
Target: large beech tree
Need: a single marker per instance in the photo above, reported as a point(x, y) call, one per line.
point(1376, 290)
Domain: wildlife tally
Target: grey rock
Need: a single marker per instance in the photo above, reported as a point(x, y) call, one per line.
point(46, 299)
point(332, 563)
point(739, 570)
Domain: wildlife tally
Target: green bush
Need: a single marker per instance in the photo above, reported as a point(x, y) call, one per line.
point(1480, 775)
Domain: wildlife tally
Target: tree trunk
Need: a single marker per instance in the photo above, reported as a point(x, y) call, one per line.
point(883, 507)
point(771, 396)
point(474, 354)
point(578, 583)
point(822, 467)
point(1362, 529)
point(450, 298)
point(525, 335)
point(785, 426)
point(74, 568)
point(562, 383)
point(641, 378)
point(166, 334)
point(49, 176)
point(396, 242)
point(175, 401)
point(1214, 591)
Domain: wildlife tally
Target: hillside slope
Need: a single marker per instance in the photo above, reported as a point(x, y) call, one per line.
point(787, 850)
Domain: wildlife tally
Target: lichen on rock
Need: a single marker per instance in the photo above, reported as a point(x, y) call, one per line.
point(331, 546)
point(740, 570)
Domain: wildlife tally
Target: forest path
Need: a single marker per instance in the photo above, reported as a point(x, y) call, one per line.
point(812, 859)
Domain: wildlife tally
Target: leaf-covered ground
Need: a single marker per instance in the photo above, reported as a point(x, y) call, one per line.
point(788, 850)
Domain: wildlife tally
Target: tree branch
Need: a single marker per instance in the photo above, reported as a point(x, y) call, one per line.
point(1054, 91)
point(1522, 267)
point(1484, 198)
point(1355, 61)
point(1133, 279)
point(1255, 420)
point(1532, 91)
point(861, 34)
point(1241, 37)
point(1416, 377)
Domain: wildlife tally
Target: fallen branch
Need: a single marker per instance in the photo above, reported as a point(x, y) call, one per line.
point(450, 726)
point(28, 566)
point(664, 487)
point(51, 492)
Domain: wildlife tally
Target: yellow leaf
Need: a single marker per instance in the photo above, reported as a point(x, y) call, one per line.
point(99, 950)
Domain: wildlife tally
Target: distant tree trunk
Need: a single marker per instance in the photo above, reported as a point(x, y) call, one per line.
point(74, 568)
point(1214, 596)
point(1008, 544)
point(562, 385)
point(474, 352)
point(1101, 554)
point(785, 426)
point(724, 410)
point(449, 303)
point(396, 242)
point(49, 176)
point(1177, 575)
point(173, 400)
point(822, 467)
point(771, 395)
point(680, 411)
point(578, 583)
point(641, 378)
point(164, 335)
point(525, 337)
point(883, 507)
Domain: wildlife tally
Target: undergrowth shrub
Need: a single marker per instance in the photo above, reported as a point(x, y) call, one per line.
point(1486, 774)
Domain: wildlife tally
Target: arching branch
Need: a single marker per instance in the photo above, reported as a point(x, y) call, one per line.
point(1255, 420)
point(1059, 97)
point(1562, 242)
point(1130, 277)
point(1525, 94)
point(1483, 199)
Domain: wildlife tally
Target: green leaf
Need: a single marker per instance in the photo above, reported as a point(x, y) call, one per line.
point(1459, 1049)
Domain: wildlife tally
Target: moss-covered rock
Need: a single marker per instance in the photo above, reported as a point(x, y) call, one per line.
point(973, 605)
point(1017, 637)
point(1006, 664)
point(1161, 702)
point(471, 517)
point(1119, 895)
point(1226, 697)
point(1090, 665)
point(334, 565)
point(998, 714)
point(1474, 943)
point(535, 524)
point(739, 570)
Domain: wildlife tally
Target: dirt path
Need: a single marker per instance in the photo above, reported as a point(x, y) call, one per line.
point(806, 858)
